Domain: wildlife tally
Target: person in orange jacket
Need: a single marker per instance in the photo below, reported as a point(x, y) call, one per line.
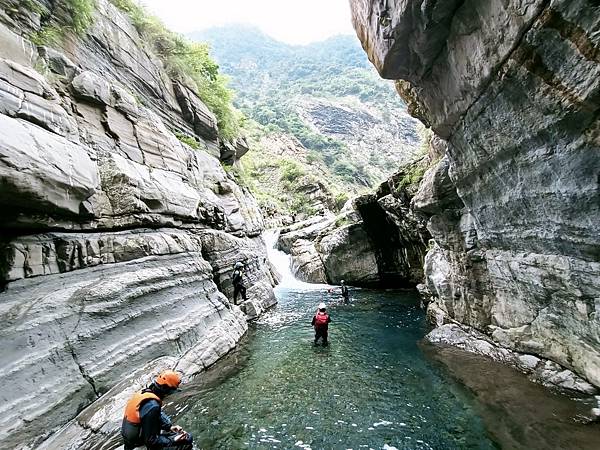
point(144, 423)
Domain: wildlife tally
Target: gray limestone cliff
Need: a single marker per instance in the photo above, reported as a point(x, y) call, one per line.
point(512, 89)
point(118, 240)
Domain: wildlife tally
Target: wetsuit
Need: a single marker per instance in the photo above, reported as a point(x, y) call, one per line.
point(345, 294)
point(154, 430)
point(321, 327)
point(238, 286)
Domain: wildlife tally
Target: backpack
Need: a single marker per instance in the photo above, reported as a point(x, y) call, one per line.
point(321, 319)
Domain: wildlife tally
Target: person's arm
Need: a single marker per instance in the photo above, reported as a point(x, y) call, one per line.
point(150, 415)
point(165, 422)
point(328, 319)
point(313, 321)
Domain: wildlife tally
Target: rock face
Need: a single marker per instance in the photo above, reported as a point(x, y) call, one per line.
point(380, 140)
point(118, 241)
point(514, 207)
point(375, 241)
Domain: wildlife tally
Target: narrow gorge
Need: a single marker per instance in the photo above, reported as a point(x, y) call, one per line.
point(462, 207)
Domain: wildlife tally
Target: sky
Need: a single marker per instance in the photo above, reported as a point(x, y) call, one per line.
point(290, 21)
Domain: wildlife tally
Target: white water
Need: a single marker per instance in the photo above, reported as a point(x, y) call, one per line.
point(283, 262)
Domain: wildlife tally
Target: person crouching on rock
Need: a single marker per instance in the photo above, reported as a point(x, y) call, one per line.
point(238, 282)
point(144, 422)
point(321, 323)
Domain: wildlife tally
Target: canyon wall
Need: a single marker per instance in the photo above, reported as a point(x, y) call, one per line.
point(513, 90)
point(118, 240)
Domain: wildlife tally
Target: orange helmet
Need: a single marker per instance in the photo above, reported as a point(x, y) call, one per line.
point(168, 378)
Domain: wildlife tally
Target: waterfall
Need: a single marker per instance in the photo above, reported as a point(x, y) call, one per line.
point(283, 263)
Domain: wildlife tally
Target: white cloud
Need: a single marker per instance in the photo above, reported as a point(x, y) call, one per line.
point(291, 21)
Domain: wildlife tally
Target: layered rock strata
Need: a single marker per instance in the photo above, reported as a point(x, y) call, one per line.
point(514, 207)
point(118, 240)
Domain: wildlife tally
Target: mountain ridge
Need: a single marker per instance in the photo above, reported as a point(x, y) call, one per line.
point(324, 95)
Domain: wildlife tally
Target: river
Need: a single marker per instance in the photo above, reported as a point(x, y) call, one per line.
point(375, 386)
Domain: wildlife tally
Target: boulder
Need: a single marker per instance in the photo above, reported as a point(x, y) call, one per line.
point(43, 172)
point(347, 254)
point(306, 262)
point(195, 112)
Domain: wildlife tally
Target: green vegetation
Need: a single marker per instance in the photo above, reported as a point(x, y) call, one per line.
point(240, 174)
point(79, 16)
point(301, 205)
point(187, 139)
point(48, 35)
point(412, 177)
point(340, 200)
point(280, 182)
point(412, 174)
point(275, 82)
point(81, 13)
point(341, 221)
point(290, 170)
point(35, 7)
point(189, 60)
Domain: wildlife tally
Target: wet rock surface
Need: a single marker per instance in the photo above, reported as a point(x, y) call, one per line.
point(118, 240)
point(512, 88)
point(539, 370)
point(516, 412)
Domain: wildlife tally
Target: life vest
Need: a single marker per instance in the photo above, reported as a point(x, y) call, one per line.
point(132, 410)
point(321, 319)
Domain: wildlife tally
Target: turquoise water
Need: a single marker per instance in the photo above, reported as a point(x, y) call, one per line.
point(371, 388)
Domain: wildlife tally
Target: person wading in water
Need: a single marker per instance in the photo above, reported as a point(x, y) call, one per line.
point(144, 423)
point(320, 322)
point(238, 282)
point(345, 294)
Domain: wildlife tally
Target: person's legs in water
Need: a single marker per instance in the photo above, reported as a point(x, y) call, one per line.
point(321, 334)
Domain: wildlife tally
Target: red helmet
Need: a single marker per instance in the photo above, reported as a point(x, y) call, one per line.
point(168, 378)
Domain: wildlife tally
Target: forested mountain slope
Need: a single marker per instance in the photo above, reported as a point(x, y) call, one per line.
point(353, 128)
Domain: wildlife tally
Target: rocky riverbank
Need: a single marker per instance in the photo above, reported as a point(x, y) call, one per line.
point(118, 239)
